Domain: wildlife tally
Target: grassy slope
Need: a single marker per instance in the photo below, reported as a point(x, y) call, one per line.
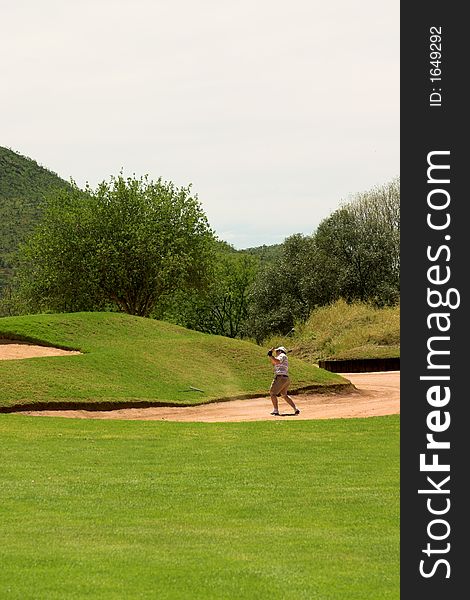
point(134, 359)
point(275, 510)
point(344, 330)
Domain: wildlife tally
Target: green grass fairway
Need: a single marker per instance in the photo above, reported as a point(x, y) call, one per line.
point(131, 359)
point(150, 510)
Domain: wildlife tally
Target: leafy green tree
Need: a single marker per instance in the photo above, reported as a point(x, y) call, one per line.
point(358, 246)
point(221, 308)
point(277, 297)
point(354, 254)
point(225, 308)
point(124, 245)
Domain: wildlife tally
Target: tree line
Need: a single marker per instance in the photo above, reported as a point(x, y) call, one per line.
point(146, 248)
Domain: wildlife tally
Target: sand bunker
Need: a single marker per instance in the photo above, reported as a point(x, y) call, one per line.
point(14, 350)
point(377, 394)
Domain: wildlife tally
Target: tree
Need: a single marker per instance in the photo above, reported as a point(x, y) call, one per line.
point(277, 298)
point(359, 247)
point(354, 254)
point(225, 307)
point(222, 307)
point(124, 245)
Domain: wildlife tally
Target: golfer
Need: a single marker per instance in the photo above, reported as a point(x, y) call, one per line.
point(281, 381)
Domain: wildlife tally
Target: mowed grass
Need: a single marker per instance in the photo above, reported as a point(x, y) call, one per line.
point(343, 330)
point(266, 510)
point(131, 359)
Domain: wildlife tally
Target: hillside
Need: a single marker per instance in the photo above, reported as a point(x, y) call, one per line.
point(138, 361)
point(343, 330)
point(23, 186)
point(265, 254)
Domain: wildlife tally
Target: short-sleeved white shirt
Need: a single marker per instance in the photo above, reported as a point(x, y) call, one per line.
point(282, 367)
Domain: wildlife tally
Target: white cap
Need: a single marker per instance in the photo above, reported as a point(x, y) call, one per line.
point(281, 349)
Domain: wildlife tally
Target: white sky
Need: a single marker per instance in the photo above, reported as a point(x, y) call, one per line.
point(275, 111)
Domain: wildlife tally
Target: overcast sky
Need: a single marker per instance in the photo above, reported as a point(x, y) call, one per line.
point(275, 111)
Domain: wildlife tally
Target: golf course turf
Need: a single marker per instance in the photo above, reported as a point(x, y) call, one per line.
point(123, 509)
point(131, 360)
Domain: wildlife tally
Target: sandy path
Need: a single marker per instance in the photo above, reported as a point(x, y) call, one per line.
point(377, 394)
point(13, 350)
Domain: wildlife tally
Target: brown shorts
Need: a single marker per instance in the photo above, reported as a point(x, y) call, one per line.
point(280, 385)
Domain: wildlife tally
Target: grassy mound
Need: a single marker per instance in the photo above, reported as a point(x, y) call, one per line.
point(266, 510)
point(134, 360)
point(344, 330)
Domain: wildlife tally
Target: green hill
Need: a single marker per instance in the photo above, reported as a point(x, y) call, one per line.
point(342, 330)
point(23, 186)
point(265, 254)
point(139, 361)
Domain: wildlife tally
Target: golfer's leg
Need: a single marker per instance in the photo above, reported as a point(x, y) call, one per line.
point(273, 392)
point(287, 398)
point(274, 401)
